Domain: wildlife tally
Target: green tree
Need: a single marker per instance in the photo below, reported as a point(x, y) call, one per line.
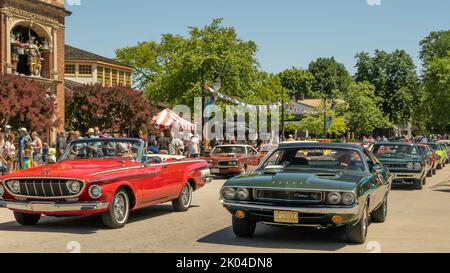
point(395, 79)
point(299, 82)
point(436, 44)
point(363, 113)
point(169, 70)
point(437, 88)
point(331, 78)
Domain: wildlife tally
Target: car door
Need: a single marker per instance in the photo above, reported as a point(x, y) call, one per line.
point(377, 181)
point(152, 184)
point(172, 174)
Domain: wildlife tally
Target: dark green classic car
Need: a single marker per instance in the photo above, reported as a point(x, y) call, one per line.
point(404, 161)
point(316, 185)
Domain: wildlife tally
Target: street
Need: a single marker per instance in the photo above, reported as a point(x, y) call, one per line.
point(418, 222)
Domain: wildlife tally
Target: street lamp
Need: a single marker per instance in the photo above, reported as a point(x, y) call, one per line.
point(283, 132)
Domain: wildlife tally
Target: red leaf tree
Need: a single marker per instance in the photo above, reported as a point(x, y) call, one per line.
point(26, 103)
point(118, 108)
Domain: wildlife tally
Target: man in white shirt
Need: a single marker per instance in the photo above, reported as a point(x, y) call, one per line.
point(194, 147)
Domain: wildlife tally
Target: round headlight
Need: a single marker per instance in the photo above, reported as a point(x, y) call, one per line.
point(348, 198)
point(229, 193)
point(74, 187)
point(334, 198)
point(242, 194)
point(418, 166)
point(14, 186)
point(95, 191)
point(2, 191)
point(410, 166)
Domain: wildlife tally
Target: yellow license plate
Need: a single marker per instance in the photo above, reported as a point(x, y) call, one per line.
point(287, 217)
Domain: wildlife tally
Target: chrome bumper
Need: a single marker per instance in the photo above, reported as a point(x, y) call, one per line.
point(49, 207)
point(355, 210)
point(401, 176)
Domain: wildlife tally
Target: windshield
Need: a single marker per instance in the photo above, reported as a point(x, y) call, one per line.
point(103, 149)
point(395, 150)
point(228, 150)
point(435, 146)
point(423, 149)
point(313, 158)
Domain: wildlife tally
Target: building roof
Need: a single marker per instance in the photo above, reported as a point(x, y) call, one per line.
point(76, 54)
point(314, 103)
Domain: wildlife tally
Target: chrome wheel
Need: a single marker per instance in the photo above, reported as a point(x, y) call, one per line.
point(186, 195)
point(120, 207)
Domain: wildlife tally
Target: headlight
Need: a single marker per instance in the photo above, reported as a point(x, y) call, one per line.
point(418, 166)
point(95, 191)
point(348, 198)
point(242, 194)
point(2, 191)
point(14, 186)
point(205, 173)
point(74, 187)
point(334, 198)
point(229, 193)
point(232, 163)
point(410, 166)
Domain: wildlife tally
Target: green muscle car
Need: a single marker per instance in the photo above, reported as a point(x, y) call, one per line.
point(405, 161)
point(317, 185)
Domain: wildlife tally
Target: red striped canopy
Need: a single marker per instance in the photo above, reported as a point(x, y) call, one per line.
point(167, 119)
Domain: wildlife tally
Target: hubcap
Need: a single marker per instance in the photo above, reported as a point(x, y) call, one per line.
point(186, 195)
point(120, 208)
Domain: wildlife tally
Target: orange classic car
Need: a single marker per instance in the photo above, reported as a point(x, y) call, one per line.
point(231, 160)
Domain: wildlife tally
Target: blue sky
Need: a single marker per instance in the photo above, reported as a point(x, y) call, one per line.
point(288, 32)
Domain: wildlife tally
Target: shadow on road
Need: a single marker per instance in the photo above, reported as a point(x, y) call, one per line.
point(83, 225)
point(268, 237)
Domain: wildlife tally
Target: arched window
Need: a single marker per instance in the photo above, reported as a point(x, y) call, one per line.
point(29, 52)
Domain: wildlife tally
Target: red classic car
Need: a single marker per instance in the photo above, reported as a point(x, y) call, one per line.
point(432, 158)
point(110, 177)
point(233, 159)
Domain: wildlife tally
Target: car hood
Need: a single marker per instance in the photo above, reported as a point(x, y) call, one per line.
point(74, 169)
point(339, 180)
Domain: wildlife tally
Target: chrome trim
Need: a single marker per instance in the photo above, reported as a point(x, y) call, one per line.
point(18, 196)
point(407, 175)
point(119, 169)
point(322, 196)
point(49, 207)
point(285, 189)
point(311, 210)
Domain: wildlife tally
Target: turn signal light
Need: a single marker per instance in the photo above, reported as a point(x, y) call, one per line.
point(337, 219)
point(240, 214)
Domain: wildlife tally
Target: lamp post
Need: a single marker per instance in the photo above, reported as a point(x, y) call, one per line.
point(204, 63)
point(283, 121)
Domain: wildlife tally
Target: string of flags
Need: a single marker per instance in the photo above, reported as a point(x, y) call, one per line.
point(290, 108)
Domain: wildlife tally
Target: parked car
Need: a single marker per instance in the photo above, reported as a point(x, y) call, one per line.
point(431, 157)
point(318, 185)
point(233, 160)
point(446, 145)
point(265, 149)
point(442, 152)
point(404, 161)
point(109, 177)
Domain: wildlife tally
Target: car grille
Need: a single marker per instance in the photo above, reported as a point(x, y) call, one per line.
point(44, 188)
point(397, 166)
point(226, 163)
point(288, 196)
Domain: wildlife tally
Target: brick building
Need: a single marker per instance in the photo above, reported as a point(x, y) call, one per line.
point(38, 25)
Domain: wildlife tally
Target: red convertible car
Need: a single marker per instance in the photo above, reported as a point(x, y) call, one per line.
point(110, 177)
point(232, 160)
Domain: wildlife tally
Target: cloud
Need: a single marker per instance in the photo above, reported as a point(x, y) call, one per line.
point(374, 2)
point(73, 2)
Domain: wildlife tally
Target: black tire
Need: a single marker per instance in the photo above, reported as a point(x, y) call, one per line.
point(118, 212)
point(184, 200)
point(357, 234)
point(439, 167)
point(380, 214)
point(27, 219)
point(434, 172)
point(418, 184)
point(430, 173)
point(244, 228)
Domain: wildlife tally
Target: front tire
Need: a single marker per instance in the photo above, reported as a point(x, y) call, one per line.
point(418, 184)
point(184, 201)
point(244, 228)
point(27, 219)
point(357, 234)
point(380, 215)
point(118, 212)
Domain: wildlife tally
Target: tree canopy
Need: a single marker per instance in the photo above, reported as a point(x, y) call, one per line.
point(331, 78)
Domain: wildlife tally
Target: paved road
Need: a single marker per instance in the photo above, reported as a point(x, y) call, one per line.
point(419, 221)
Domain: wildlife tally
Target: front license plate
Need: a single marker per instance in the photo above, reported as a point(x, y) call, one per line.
point(215, 171)
point(288, 217)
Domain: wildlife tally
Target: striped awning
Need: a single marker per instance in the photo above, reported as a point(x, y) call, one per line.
point(167, 119)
